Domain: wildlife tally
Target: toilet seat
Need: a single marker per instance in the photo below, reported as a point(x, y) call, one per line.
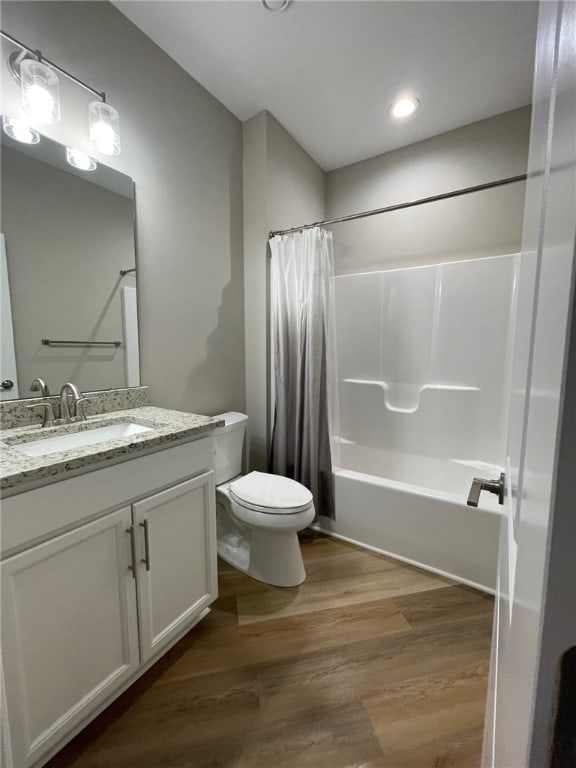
point(270, 494)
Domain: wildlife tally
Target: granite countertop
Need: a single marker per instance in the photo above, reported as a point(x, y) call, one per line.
point(167, 427)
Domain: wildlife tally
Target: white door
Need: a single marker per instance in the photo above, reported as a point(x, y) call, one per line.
point(177, 571)
point(535, 622)
point(8, 375)
point(69, 631)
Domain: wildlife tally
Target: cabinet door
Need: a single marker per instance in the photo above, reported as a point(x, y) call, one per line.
point(177, 572)
point(69, 631)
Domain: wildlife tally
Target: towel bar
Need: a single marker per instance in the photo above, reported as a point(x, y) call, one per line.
point(63, 343)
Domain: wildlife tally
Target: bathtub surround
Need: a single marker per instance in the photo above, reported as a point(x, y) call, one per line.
point(283, 187)
point(423, 376)
point(424, 368)
point(301, 286)
point(184, 151)
point(487, 223)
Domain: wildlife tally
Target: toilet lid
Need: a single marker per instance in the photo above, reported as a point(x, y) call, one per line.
point(275, 493)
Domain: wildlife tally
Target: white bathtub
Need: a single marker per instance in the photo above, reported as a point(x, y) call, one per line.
point(427, 525)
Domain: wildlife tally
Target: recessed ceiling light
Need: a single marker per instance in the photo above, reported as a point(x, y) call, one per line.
point(404, 107)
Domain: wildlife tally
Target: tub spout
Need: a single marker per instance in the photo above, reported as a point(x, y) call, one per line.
point(480, 484)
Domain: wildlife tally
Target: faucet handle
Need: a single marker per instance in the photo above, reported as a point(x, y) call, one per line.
point(48, 417)
point(79, 413)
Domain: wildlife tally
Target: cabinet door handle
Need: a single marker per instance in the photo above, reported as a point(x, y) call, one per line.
point(146, 558)
point(132, 533)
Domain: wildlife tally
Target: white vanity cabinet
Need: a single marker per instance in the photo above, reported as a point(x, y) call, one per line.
point(92, 596)
point(69, 630)
point(177, 574)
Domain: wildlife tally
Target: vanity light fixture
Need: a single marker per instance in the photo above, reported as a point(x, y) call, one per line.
point(404, 107)
point(80, 159)
point(39, 82)
point(19, 131)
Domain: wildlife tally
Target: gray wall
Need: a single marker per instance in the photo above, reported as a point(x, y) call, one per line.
point(66, 240)
point(184, 151)
point(481, 224)
point(283, 187)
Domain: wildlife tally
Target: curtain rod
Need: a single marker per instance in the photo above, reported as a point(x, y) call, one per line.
point(400, 206)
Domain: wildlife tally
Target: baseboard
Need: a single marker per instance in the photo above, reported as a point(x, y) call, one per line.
point(406, 560)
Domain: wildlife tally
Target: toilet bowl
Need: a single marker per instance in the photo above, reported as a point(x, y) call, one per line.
point(258, 514)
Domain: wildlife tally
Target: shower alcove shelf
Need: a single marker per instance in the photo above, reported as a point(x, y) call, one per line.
point(408, 394)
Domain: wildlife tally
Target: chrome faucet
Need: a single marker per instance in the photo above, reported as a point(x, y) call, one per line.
point(66, 417)
point(39, 385)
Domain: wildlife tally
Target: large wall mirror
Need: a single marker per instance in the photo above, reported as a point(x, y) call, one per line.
point(68, 280)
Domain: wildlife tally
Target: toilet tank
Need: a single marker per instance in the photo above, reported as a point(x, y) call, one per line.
point(229, 445)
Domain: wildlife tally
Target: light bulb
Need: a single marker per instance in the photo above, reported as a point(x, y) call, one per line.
point(80, 159)
point(18, 130)
point(40, 104)
point(104, 124)
point(404, 107)
point(40, 91)
point(103, 137)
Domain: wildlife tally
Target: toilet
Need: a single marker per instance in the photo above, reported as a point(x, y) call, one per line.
point(258, 514)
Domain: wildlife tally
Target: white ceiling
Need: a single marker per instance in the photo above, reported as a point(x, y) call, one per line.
point(329, 69)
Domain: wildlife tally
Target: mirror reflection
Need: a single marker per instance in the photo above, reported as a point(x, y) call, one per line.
point(68, 279)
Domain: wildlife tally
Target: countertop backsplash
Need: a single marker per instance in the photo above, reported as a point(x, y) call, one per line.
point(14, 413)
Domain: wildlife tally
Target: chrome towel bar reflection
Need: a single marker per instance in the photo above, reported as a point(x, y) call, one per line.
point(60, 343)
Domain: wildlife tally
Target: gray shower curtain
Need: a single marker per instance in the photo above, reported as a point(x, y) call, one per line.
point(301, 271)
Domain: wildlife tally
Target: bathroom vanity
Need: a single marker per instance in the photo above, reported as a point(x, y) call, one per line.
point(108, 540)
point(108, 558)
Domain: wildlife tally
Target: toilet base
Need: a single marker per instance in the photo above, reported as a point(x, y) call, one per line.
point(236, 554)
point(275, 559)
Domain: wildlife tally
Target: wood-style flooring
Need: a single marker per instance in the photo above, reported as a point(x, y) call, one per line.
point(368, 664)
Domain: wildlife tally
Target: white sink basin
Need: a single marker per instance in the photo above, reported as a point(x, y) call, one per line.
point(82, 439)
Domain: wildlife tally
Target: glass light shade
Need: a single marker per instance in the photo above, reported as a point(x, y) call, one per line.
point(40, 91)
point(18, 130)
point(80, 159)
point(104, 124)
